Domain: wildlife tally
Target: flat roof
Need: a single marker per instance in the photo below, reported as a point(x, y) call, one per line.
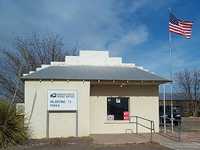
point(93, 73)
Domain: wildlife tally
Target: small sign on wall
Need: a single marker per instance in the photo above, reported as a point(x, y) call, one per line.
point(62, 100)
point(126, 115)
point(110, 117)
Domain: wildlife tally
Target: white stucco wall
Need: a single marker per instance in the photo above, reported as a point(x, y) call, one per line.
point(92, 108)
point(38, 120)
point(143, 102)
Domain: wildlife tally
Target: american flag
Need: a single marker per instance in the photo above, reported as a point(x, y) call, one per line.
point(181, 27)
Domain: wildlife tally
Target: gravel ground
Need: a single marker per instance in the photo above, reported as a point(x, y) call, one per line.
point(83, 144)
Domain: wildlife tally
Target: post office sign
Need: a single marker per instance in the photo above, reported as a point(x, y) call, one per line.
point(62, 100)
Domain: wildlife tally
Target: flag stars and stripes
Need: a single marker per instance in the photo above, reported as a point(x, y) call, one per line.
point(181, 27)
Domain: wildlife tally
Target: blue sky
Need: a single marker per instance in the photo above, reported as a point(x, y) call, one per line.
point(133, 29)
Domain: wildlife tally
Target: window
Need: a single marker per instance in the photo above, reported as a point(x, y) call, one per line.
point(117, 108)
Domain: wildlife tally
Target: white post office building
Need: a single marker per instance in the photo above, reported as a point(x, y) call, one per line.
point(92, 93)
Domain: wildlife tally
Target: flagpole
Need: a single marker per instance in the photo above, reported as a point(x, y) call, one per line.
point(171, 78)
point(164, 110)
point(175, 27)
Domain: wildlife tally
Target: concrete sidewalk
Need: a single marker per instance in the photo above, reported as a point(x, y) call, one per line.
point(144, 138)
point(119, 138)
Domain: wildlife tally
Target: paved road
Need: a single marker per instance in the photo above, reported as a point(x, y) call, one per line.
point(182, 146)
point(176, 145)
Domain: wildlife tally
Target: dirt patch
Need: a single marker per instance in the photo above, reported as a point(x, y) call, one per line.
point(83, 144)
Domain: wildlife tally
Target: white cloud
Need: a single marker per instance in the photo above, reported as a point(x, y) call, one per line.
point(99, 24)
point(132, 38)
point(94, 24)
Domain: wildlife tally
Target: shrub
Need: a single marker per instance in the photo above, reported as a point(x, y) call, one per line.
point(12, 129)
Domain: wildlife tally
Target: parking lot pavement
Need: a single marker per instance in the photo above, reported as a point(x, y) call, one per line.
point(80, 144)
point(184, 144)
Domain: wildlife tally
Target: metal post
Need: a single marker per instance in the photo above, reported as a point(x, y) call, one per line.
point(180, 128)
point(47, 129)
point(151, 132)
point(171, 89)
point(172, 114)
point(77, 115)
point(137, 124)
point(164, 110)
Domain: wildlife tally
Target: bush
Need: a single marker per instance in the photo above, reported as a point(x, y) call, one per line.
point(12, 129)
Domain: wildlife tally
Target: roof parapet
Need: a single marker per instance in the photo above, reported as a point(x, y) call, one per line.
point(90, 58)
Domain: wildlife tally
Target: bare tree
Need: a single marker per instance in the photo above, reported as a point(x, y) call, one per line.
point(189, 83)
point(28, 54)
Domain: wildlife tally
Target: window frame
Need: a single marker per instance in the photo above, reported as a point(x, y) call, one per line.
point(117, 121)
